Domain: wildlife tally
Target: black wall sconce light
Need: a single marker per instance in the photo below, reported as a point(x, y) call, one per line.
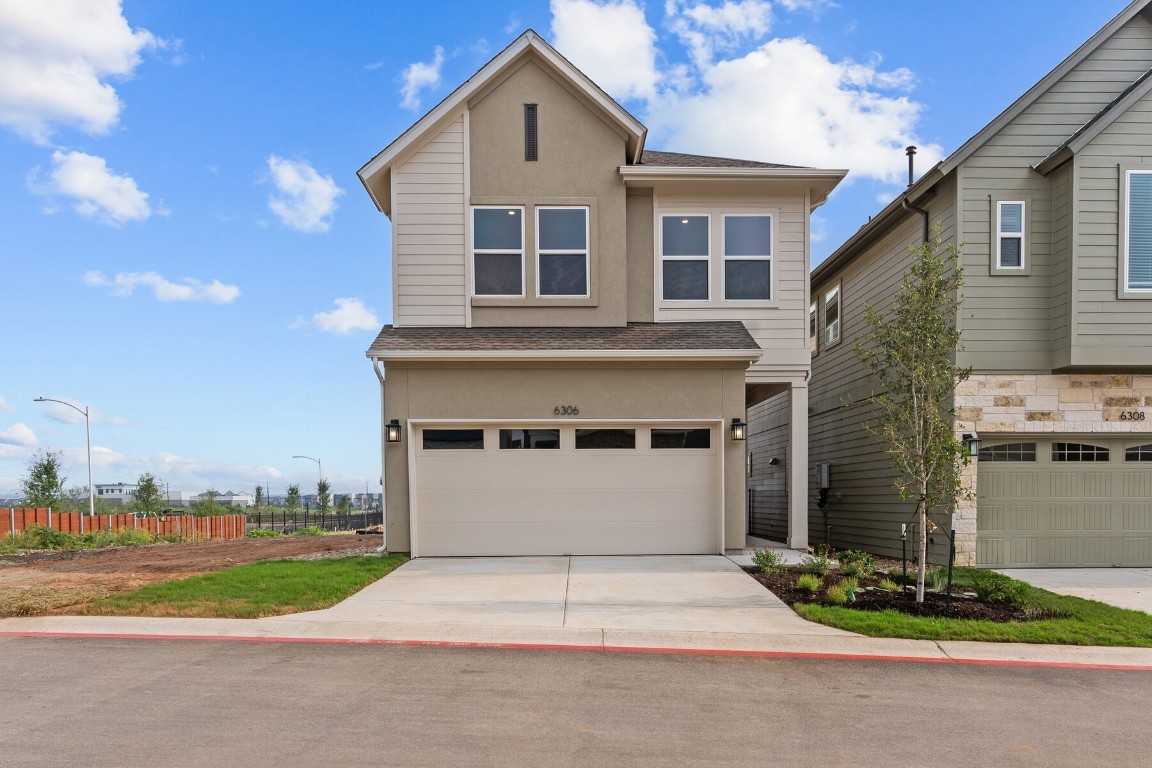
point(393, 431)
point(738, 428)
point(973, 443)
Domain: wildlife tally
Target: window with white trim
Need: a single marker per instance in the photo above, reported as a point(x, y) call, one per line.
point(497, 251)
point(812, 327)
point(685, 257)
point(1138, 231)
point(562, 251)
point(747, 257)
point(832, 316)
point(1010, 234)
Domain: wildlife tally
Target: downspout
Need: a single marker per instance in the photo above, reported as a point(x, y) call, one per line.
point(911, 152)
point(379, 368)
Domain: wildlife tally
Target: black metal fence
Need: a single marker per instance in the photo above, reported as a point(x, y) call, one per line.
point(276, 519)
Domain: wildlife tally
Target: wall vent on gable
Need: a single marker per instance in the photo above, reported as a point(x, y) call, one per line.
point(530, 143)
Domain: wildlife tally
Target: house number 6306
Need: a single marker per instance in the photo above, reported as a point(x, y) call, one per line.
point(565, 410)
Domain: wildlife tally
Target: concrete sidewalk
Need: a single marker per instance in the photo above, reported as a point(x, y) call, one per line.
point(690, 604)
point(1129, 588)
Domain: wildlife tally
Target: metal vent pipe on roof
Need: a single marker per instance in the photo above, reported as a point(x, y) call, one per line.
point(911, 152)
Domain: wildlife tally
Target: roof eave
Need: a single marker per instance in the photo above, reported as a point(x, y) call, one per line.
point(573, 355)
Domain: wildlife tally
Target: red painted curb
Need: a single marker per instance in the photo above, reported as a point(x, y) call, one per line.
point(590, 648)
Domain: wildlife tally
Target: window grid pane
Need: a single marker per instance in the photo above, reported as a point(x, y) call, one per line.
point(529, 438)
point(832, 315)
point(1078, 452)
point(748, 236)
point(499, 274)
point(685, 280)
point(684, 235)
point(593, 439)
point(1009, 452)
point(452, 439)
point(681, 438)
point(747, 280)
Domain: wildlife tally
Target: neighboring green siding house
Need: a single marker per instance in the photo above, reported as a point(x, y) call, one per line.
point(1052, 205)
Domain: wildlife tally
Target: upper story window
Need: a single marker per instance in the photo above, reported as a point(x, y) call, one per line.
point(812, 327)
point(832, 316)
point(1138, 239)
point(498, 251)
point(562, 251)
point(747, 257)
point(1010, 234)
point(684, 257)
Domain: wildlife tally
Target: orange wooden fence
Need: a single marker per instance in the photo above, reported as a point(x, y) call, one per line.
point(16, 519)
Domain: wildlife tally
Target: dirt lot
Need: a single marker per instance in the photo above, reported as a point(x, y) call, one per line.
point(58, 578)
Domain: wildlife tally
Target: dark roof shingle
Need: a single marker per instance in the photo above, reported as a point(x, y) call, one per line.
point(722, 335)
point(680, 160)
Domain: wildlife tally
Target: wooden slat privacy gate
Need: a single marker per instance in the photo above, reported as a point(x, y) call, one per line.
point(17, 519)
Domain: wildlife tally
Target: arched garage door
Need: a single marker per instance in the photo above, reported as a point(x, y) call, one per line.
point(1064, 501)
point(555, 489)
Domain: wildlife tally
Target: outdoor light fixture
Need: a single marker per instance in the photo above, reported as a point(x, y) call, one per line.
point(393, 431)
point(973, 443)
point(773, 462)
point(738, 428)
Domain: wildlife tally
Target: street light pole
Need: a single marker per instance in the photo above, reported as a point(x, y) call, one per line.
point(319, 468)
point(88, 435)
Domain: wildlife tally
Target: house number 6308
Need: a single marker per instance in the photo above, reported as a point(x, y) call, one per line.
point(565, 410)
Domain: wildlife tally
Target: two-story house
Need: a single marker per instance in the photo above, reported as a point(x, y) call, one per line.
point(1051, 204)
point(580, 323)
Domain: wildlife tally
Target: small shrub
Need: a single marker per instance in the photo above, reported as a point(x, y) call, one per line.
point(309, 530)
point(822, 550)
point(853, 570)
point(836, 595)
point(888, 585)
point(850, 584)
point(938, 578)
point(39, 537)
point(863, 563)
point(768, 560)
point(816, 564)
point(261, 533)
point(992, 587)
point(809, 582)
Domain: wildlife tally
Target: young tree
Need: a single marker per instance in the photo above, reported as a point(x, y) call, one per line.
point(258, 499)
point(206, 505)
point(149, 498)
point(44, 485)
point(912, 353)
point(292, 500)
point(344, 506)
point(323, 497)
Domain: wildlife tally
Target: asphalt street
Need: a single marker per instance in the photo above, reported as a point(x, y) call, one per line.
point(94, 702)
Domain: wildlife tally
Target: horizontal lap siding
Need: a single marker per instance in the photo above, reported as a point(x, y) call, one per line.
point(430, 234)
point(1120, 330)
point(1023, 322)
point(768, 438)
point(868, 511)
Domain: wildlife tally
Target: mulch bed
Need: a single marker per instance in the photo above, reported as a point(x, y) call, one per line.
point(783, 585)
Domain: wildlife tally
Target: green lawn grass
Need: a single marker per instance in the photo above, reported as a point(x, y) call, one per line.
point(272, 588)
point(1082, 622)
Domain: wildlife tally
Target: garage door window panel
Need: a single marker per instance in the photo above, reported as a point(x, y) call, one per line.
point(452, 439)
point(1079, 452)
point(545, 439)
point(1138, 453)
point(681, 438)
point(1009, 452)
point(605, 439)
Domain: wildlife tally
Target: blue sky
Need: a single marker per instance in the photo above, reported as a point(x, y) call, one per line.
point(187, 250)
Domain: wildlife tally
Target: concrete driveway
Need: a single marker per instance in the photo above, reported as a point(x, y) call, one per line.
point(659, 593)
point(1122, 587)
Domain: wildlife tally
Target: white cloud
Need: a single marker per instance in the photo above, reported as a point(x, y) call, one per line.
point(304, 199)
point(787, 102)
point(18, 434)
point(419, 76)
point(349, 315)
point(188, 289)
point(56, 58)
point(98, 193)
point(705, 29)
point(610, 42)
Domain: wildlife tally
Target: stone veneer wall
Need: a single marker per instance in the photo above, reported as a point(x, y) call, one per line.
point(1064, 403)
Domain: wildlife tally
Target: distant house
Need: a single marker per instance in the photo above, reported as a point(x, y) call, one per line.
point(579, 320)
point(230, 499)
point(116, 493)
point(1052, 205)
point(181, 499)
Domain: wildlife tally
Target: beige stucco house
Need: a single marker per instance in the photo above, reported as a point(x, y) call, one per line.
point(578, 321)
point(1052, 205)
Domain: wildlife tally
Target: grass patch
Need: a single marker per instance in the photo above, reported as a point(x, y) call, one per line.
point(271, 588)
point(1073, 621)
point(37, 537)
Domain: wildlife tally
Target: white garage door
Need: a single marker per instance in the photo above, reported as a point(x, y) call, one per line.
point(1064, 501)
point(579, 489)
